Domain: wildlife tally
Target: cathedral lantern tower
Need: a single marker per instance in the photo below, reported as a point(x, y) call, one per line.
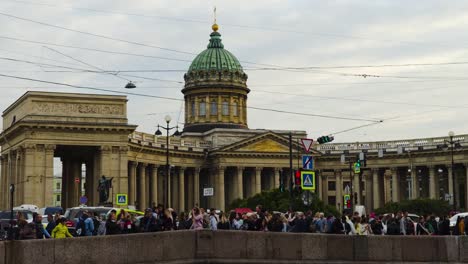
point(215, 89)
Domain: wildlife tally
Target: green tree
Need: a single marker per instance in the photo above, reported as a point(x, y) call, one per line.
point(417, 206)
point(275, 200)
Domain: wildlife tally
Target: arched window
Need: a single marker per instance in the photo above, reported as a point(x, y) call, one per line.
point(214, 108)
point(202, 109)
point(192, 108)
point(235, 109)
point(225, 108)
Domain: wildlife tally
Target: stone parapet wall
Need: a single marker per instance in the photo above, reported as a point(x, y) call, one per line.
point(235, 247)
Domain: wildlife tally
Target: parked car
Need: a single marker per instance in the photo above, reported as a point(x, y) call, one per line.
point(30, 207)
point(73, 214)
point(453, 219)
point(51, 210)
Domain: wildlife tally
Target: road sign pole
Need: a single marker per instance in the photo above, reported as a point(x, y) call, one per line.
point(291, 176)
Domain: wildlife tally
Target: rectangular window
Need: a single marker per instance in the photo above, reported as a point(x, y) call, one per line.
point(193, 108)
point(202, 109)
point(332, 200)
point(214, 108)
point(235, 110)
point(57, 186)
point(58, 198)
point(225, 108)
point(331, 185)
point(346, 183)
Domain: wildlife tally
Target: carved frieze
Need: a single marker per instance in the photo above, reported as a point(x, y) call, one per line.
point(77, 108)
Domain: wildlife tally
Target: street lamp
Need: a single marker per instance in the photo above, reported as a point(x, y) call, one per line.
point(158, 132)
point(453, 143)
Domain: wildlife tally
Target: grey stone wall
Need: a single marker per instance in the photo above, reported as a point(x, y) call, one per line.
point(235, 247)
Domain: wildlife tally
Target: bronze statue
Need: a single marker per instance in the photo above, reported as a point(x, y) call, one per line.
point(103, 188)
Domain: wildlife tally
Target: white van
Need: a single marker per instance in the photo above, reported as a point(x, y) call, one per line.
point(30, 207)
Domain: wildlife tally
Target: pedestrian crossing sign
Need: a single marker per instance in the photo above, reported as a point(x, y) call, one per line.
point(308, 180)
point(121, 199)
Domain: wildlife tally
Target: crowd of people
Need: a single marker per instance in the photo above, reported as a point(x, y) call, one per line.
point(159, 219)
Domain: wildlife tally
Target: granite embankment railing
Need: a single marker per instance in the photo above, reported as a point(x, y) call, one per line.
point(235, 247)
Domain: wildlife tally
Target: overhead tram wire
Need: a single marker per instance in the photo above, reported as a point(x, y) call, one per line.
point(257, 28)
point(84, 70)
point(276, 67)
point(177, 99)
point(85, 63)
point(96, 35)
point(255, 90)
point(364, 75)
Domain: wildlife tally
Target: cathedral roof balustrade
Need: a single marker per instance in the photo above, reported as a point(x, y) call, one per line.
point(151, 140)
point(419, 144)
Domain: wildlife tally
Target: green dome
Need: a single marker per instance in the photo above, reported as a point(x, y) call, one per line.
point(215, 57)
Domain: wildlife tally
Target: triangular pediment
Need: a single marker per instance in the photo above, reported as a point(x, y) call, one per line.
point(268, 142)
point(264, 145)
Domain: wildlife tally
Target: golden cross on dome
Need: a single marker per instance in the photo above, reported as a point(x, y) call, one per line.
point(214, 12)
point(215, 26)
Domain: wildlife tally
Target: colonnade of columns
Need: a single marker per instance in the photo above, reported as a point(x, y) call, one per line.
point(378, 186)
point(148, 186)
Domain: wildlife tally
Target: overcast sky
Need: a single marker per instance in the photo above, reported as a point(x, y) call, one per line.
point(412, 100)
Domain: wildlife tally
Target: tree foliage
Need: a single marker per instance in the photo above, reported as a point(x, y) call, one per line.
point(418, 206)
point(275, 200)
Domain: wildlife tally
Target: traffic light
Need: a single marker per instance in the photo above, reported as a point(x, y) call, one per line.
point(325, 139)
point(357, 166)
point(297, 179)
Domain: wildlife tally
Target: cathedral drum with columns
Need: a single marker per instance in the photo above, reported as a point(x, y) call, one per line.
point(91, 136)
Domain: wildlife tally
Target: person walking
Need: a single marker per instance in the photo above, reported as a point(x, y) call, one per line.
point(197, 219)
point(223, 222)
point(112, 228)
point(41, 232)
point(61, 230)
point(213, 220)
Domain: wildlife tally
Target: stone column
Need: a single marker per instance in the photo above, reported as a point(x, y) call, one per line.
point(357, 188)
point(196, 186)
point(154, 184)
point(219, 191)
point(258, 180)
point(132, 182)
point(387, 190)
point(375, 188)
point(450, 182)
point(239, 183)
point(368, 182)
point(48, 174)
point(432, 182)
point(395, 185)
point(466, 186)
point(277, 176)
point(321, 193)
point(182, 189)
point(415, 184)
point(3, 186)
point(190, 198)
point(142, 204)
point(339, 190)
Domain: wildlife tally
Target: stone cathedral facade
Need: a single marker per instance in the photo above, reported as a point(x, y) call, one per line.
point(92, 137)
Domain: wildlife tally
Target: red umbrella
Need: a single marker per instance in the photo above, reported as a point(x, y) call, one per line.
point(243, 210)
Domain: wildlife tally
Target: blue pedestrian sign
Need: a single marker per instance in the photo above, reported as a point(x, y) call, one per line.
point(307, 162)
point(308, 180)
point(121, 199)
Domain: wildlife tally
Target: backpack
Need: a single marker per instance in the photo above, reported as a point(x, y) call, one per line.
point(347, 227)
point(96, 224)
point(393, 228)
point(409, 227)
point(80, 227)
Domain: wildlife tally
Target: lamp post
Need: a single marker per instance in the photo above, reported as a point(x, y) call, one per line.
point(10, 229)
point(166, 192)
point(453, 143)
